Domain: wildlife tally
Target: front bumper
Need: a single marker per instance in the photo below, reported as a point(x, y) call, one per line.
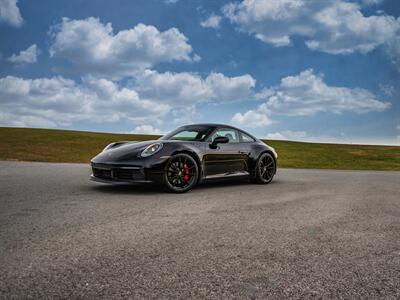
point(113, 173)
point(117, 181)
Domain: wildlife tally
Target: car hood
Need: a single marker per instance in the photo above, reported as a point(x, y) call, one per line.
point(122, 152)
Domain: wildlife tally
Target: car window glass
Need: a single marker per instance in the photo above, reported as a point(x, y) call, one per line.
point(187, 135)
point(246, 138)
point(192, 133)
point(231, 134)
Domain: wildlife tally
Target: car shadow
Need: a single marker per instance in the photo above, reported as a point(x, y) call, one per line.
point(223, 182)
point(148, 189)
point(151, 188)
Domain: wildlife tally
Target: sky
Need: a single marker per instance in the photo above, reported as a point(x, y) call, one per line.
point(309, 70)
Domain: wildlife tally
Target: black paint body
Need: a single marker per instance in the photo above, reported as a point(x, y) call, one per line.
point(123, 162)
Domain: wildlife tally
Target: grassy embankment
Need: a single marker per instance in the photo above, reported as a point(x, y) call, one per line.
point(27, 144)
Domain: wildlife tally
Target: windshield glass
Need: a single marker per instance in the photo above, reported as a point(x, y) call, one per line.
point(189, 133)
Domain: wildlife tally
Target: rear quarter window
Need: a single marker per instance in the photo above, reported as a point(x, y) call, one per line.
point(245, 138)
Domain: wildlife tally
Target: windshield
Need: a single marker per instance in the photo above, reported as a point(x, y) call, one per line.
point(189, 133)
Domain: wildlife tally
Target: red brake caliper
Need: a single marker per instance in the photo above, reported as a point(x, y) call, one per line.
point(186, 168)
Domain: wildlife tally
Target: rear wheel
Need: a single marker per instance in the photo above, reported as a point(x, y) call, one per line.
point(181, 173)
point(264, 170)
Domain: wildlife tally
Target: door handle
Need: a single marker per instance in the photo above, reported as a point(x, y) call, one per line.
point(243, 152)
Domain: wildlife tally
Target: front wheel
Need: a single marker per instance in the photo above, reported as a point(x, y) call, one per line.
point(265, 169)
point(181, 173)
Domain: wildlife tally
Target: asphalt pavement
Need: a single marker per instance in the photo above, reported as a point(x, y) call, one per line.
point(308, 234)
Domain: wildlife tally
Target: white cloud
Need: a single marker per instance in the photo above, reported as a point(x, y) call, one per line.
point(287, 135)
point(146, 129)
point(59, 102)
point(336, 27)
point(185, 114)
point(213, 21)
point(9, 13)
point(93, 47)
point(146, 97)
point(190, 88)
point(307, 94)
point(251, 118)
point(230, 88)
point(185, 91)
point(10, 119)
point(28, 56)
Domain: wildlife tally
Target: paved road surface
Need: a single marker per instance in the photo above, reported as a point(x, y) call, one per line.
point(309, 234)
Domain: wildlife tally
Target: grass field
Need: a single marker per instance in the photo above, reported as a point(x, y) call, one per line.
point(49, 145)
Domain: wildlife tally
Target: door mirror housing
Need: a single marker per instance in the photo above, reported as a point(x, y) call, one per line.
point(219, 140)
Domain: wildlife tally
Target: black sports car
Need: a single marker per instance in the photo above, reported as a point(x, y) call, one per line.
point(187, 156)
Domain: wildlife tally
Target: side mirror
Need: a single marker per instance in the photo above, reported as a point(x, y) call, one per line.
point(219, 140)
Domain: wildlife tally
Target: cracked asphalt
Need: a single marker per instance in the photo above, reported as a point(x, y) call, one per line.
point(309, 234)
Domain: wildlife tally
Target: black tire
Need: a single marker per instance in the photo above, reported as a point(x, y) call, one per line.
point(181, 173)
point(264, 169)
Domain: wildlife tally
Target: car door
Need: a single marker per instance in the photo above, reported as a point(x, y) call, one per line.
point(227, 158)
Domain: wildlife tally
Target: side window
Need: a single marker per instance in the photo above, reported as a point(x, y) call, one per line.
point(246, 138)
point(186, 135)
point(230, 133)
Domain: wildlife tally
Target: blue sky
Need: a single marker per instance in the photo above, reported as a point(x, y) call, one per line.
point(284, 69)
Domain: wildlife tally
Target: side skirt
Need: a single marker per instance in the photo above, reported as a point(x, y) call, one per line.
point(227, 175)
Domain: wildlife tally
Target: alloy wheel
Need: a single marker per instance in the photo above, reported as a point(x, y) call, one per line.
point(266, 168)
point(181, 173)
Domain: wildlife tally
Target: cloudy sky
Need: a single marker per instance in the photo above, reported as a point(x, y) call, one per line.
point(311, 70)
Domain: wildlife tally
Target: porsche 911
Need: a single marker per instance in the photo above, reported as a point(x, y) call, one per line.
point(186, 157)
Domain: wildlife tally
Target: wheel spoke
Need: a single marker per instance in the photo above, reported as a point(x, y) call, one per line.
point(271, 163)
point(263, 173)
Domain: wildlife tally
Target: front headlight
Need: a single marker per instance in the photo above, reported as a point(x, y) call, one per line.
point(151, 149)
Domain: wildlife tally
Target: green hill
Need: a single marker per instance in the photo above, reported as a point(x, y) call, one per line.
point(50, 145)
